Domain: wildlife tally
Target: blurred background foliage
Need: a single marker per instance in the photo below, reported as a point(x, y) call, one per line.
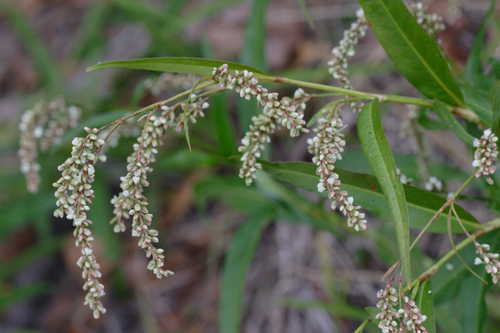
point(267, 258)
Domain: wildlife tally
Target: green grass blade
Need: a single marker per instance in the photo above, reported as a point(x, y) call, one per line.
point(221, 118)
point(236, 266)
point(474, 68)
point(253, 54)
point(226, 139)
point(415, 54)
point(382, 162)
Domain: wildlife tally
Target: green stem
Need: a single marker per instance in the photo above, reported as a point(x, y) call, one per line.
point(487, 227)
point(490, 226)
point(448, 202)
point(344, 91)
point(159, 104)
point(464, 113)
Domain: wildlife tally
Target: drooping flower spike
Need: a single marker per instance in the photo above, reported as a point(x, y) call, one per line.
point(285, 112)
point(74, 196)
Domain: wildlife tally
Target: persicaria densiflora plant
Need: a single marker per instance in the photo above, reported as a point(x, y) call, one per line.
point(320, 117)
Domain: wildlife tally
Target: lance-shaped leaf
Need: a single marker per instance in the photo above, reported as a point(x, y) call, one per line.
point(253, 54)
point(453, 124)
point(415, 54)
point(425, 301)
point(237, 263)
point(379, 154)
point(183, 65)
point(368, 193)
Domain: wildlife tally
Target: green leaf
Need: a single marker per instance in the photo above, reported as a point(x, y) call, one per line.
point(453, 124)
point(253, 54)
point(236, 266)
point(378, 151)
point(447, 282)
point(226, 139)
point(183, 65)
point(471, 304)
point(415, 54)
point(474, 68)
point(425, 301)
point(232, 192)
point(221, 119)
point(479, 101)
point(495, 108)
point(254, 48)
point(300, 208)
point(367, 192)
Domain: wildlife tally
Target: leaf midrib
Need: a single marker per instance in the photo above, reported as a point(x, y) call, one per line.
point(443, 86)
point(380, 194)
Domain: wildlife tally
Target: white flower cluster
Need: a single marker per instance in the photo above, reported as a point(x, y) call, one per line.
point(485, 155)
point(131, 202)
point(191, 110)
point(489, 259)
point(431, 22)
point(337, 66)
point(286, 112)
point(403, 179)
point(411, 317)
point(434, 184)
point(393, 320)
point(74, 195)
point(387, 305)
point(327, 147)
point(43, 126)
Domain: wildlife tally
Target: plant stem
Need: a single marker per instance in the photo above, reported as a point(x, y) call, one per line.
point(490, 226)
point(464, 113)
point(159, 104)
point(487, 227)
point(448, 202)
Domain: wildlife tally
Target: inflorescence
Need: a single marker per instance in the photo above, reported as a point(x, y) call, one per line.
point(327, 147)
point(393, 318)
point(432, 23)
point(338, 64)
point(42, 127)
point(74, 196)
point(489, 259)
point(346, 49)
point(74, 191)
point(434, 184)
point(285, 112)
point(131, 202)
point(485, 155)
